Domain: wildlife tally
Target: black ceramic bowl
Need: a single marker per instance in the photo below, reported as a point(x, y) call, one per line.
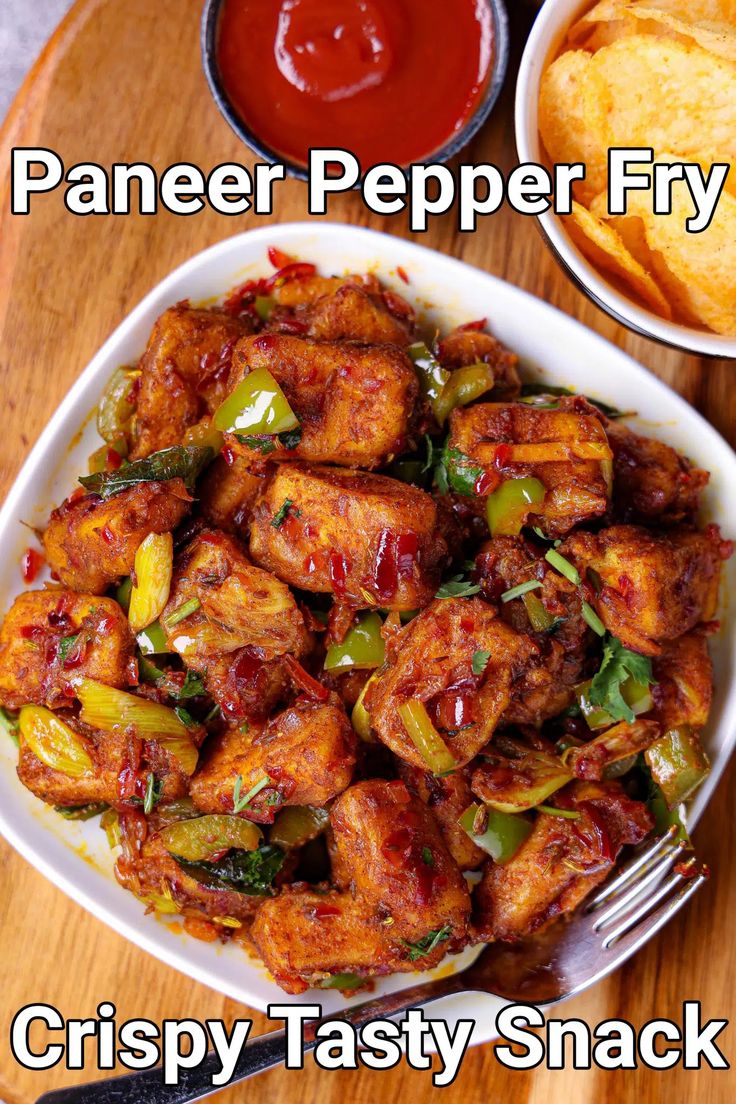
point(209, 33)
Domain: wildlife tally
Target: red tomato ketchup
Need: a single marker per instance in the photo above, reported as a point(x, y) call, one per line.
point(389, 80)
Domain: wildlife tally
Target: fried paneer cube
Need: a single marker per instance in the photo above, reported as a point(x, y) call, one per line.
point(352, 314)
point(220, 602)
point(447, 798)
point(651, 481)
point(367, 539)
point(307, 753)
point(683, 682)
point(147, 870)
point(335, 308)
point(552, 613)
point(227, 493)
point(560, 862)
point(114, 758)
point(463, 347)
point(51, 638)
point(566, 452)
point(649, 587)
point(184, 374)
point(400, 864)
point(432, 661)
point(305, 937)
point(354, 402)
point(91, 542)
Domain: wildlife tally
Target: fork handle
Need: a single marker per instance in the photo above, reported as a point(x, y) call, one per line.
point(263, 1053)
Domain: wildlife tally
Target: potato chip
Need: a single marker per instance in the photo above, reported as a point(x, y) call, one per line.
point(573, 106)
point(609, 21)
point(668, 95)
point(600, 243)
point(704, 264)
point(711, 34)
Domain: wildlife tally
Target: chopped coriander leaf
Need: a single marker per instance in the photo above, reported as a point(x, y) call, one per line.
point(457, 587)
point(282, 513)
point(65, 646)
point(522, 588)
point(185, 716)
point(619, 663)
point(192, 687)
point(564, 566)
point(183, 611)
point(290, 438)
point(262, 444)
point(427, 856)
point(591, 618)
point(480, 661)
point(424, 947)
point(153, 794)
point(241, 803)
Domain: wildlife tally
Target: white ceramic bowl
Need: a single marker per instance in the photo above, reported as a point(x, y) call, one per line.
point(542, 45)
point(75, 856)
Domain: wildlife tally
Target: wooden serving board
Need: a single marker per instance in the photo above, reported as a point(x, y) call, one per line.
point(122, 82)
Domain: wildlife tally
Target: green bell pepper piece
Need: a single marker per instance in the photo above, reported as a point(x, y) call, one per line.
point(362, 649)
point(503, 835)
point(508, 506)
point(257, 405)
point(678, 764)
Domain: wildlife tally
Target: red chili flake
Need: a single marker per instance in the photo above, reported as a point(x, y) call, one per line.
point(407, 548)
point(321, 912)
point(339, 567)
point(311, 687)
point(293, 326)
point(240, 295)
point(485, 483)
point(278, 258)
point(246, 666)
point(626, 589)
point(455, 709)
point(228, 455)
point(427, 880)
point(399, 792)
point(31, 632)
point(114, 459)
point(107, 534)
point(401, 273)
point(76, 495)
point(397, 847)
point(310, 564)
point(479, 324)
point(467, 624)
point(295, 271)
point(31, 564)
point(503, 455)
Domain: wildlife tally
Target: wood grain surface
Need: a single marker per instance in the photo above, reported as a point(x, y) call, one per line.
point(122, 82)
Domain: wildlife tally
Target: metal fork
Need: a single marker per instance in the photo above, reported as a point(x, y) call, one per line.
point(573, 954)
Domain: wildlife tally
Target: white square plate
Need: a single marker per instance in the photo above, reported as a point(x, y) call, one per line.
point(553, 347)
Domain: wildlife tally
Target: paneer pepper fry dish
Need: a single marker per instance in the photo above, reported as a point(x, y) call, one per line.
point(364, 648)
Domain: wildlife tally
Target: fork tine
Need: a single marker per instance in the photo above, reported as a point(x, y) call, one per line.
point(651, 914)
point(634, 867)
point(653, 875)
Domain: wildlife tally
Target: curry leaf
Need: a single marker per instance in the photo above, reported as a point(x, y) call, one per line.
point(183, 462)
